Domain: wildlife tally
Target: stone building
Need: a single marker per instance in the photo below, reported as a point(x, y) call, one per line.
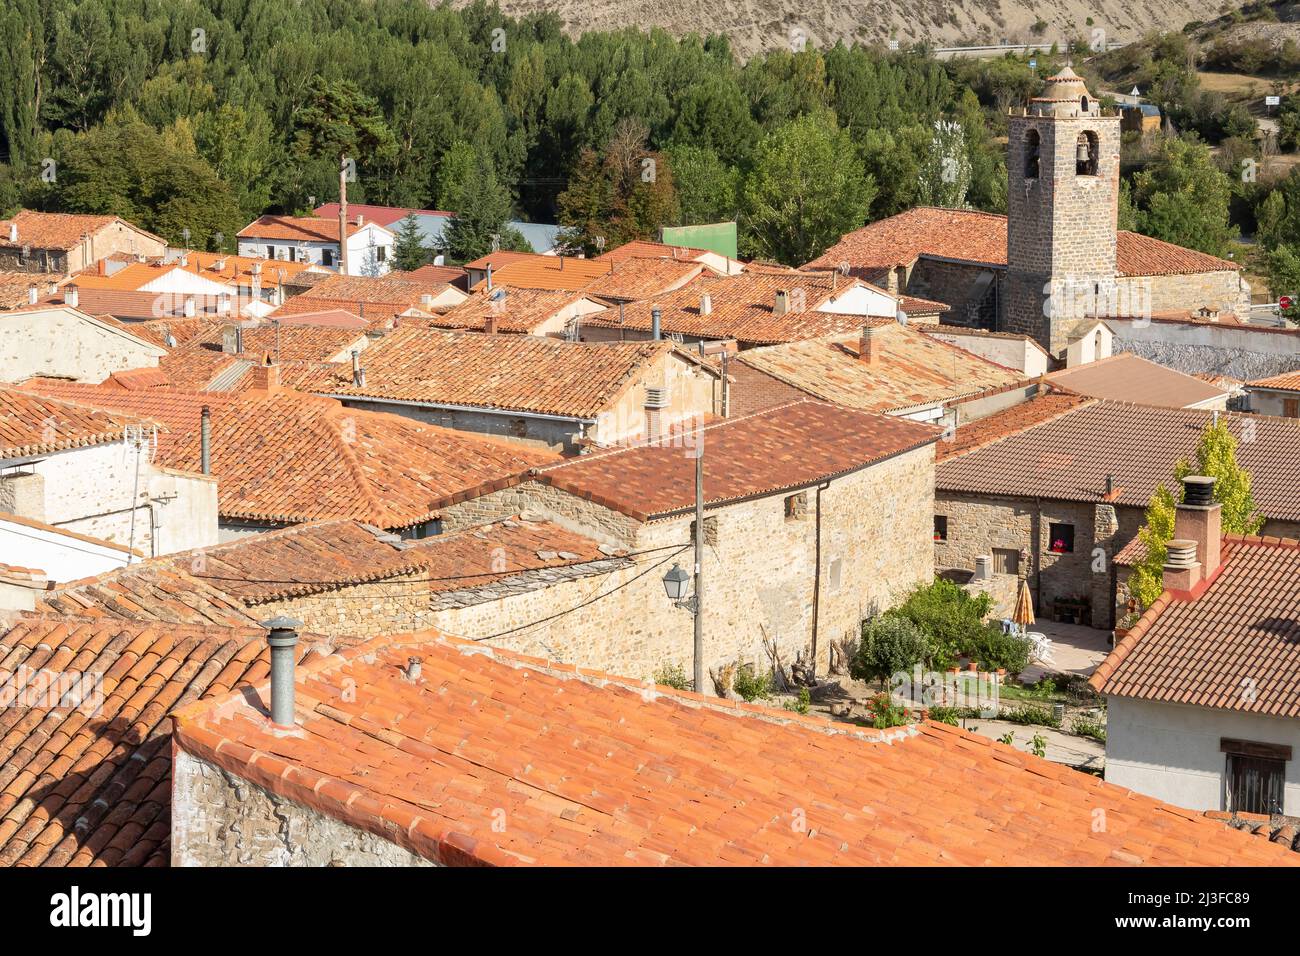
point(96, 473)
point(1058, 257)
point(49, 242)
point(58, 341)
point(817, 517)
point(1061, 484)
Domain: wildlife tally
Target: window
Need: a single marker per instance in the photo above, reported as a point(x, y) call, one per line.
point(1006, 561)
point(1032, 149)
point(381, 252)
point(1254, 776)
point(1060, 538)
point(1087, 154)
point(940, 527)
point(796, 506)
point(327, 257)
point(1291, 407)
point(270, 252)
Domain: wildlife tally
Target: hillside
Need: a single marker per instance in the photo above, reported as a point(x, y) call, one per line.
point(767, 24)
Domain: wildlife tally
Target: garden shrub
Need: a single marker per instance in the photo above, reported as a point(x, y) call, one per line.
point(889, 644)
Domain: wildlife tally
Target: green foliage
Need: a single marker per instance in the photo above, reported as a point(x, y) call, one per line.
point(1031, 714)
point(993, 649)
point(1284, 275)
point(1088, 727)
point(1183, 198)
point(409, 252)
point(802, 705)
point(946, 715)
point(708, 190)
point(885, 713)
point(890, 644)
point(751, 684)
point(805, 191)
point(1009, 738)
point(481, 204)
point(951, 619)
point(1038, 746)
point(674, 676)
point(1146, 580)
point(1216, 456)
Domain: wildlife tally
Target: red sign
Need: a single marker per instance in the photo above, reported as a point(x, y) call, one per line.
point(1285, 302)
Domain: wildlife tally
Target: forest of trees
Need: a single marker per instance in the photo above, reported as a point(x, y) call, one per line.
point(192, 117)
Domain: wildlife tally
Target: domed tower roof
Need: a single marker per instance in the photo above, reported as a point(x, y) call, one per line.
point(1064, 95)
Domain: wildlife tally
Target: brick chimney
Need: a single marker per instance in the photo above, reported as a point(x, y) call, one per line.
point(1195, 552)
point(869, 348)
point(491, 322)
point(266, 376)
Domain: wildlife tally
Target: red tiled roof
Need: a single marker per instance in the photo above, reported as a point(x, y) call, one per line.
point(14, 286)
point(743, 308)
point(288, 457)
point(1286, 382)
point(981, 237)
point(1126, 377)
point(1067, 456)
point(558, 273)
point(777, 450)
point(520, 311)
point(596, 770)
point(510, 372)
point(384, 215)
point(911, 305)
point(497, 259)
point(146, 591)
point(295, 229)
point(155, 331)
point(912, 369)
point(633, 279)
point(1010, 421)
point(325, 555)
point(52, 230)
point(452, 275)
point(83, 789)
point(36, 425)
point(1234, 646)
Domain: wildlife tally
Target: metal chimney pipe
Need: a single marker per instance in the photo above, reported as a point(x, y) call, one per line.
point(656, 317)
point(205, 440)
point(358, 373)
point(239, 338)
point(489, 277)
point(283, 640)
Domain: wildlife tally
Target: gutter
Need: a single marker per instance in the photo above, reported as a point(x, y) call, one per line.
point(481, 409)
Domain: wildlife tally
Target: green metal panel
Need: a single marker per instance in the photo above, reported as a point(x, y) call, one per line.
point(719, 237)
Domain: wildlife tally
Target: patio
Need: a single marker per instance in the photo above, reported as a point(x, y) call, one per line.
point(1075, 650)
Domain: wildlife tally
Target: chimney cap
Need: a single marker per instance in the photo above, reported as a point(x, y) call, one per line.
point(283, 630)
point(1198, 490)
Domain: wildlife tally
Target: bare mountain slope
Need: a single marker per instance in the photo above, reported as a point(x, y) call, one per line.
point(768, 24)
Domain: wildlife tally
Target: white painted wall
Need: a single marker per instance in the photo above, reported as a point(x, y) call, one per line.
point(1096, 343)
point(1267, 402)
point(363, 260)
point(62, 557)
point(95, 491)
point(1171, 751)
point(861, 300)
point(1019, 354)
point(61, 342)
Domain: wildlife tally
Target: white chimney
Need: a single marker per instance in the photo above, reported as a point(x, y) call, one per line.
point(191, 308)
point(706, 304)
point(33, 294)
point(782, 302)
point(426, 301)
point(13, 232)
point(70, 295)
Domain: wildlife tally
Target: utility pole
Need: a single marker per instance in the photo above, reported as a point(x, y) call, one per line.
point(699, 560)
point(343, 215)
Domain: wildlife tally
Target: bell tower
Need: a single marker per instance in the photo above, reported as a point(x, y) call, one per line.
point(1062, 210)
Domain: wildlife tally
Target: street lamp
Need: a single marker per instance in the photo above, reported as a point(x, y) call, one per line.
point(676, 580)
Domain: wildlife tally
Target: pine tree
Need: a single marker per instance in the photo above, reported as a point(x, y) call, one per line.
point(409, 253)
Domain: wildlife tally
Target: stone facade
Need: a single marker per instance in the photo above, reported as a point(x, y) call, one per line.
point(1061, 223)
point(59, 342)
point(220, 819)
point(115, 237)
point(760, 573)
point(1243, 352)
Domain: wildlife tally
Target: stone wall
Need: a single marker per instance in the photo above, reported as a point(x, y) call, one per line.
point(220, 819)
point(971, 291)
point(760, 575)
point(1196, 348)
point(1173, 293)
point(59, 343)
point(556, 434)
point(978, 524)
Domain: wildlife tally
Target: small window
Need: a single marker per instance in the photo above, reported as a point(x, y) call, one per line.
point(327, 257)
point(796, 506)
point(1060, 538)
point(834, 574)
point(940, 527)
point(382, 253)
point(1032, 150)
point(1254, 776)
point(270, 252)
point(1291, 407)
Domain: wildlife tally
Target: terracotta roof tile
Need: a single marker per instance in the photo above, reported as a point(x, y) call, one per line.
point(50, 230)
point(557, 273)
point(150, 591)
point(296, 229)
point(512, 372)
point(1011, 421)
point(980, 237)
point(38, 425)
point(78, 789)
point(322, 556)
point(288, 457)
point(1130, 378)
point(645, 249)
point(590, 769)
point(743, 307)
point(1286, 382)
point(1067, 453)
point(637, 278)
point(516, 310)
point(780, 449)
point(1241, 633)
point(911, 369)
point(14, 286)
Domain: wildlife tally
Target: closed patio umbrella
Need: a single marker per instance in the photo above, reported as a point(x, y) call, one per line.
point(1024, 612)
